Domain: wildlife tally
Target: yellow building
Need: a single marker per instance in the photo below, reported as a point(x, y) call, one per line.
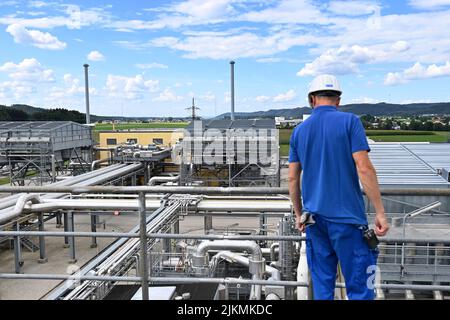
point(163, 137)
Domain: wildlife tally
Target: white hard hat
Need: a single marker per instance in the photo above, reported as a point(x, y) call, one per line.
point(325, 82)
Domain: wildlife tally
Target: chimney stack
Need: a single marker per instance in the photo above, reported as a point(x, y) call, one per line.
point(86, 81)
point(232, 89)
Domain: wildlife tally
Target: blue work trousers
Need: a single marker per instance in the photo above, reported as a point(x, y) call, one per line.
point(328, 243)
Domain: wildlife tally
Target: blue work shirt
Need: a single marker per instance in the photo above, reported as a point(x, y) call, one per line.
point(323, 145)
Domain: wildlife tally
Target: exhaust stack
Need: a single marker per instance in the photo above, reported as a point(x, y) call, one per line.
point(86, 81)
point(232, 89)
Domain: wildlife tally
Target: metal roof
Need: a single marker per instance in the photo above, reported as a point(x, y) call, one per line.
point(409, 164)
point(33, 125)
point(436, 155)
point(236, 124)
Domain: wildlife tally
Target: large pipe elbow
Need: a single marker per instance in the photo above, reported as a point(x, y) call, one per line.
point(156, 179)
point(6, 215)
point(232, 245)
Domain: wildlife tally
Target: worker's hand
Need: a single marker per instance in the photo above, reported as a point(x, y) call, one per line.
point(381, 225)
point(299, 226)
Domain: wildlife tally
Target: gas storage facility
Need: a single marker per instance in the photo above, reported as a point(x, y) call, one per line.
point(201, 213)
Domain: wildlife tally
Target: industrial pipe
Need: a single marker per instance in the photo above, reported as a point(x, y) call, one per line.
point(250, 246)
point(9, 213)
point(97, 162)
point(18, 208)
point(154, 180)
point(224, 281)
point(201, 190)
point(244, 261)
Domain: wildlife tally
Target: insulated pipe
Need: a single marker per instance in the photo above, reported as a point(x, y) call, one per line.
point(203, 190)
point(18, 208)
point(154, 180)
point(250, 246)
point(273, 248)
point(255, 291)
point(244, 261)
point(11, 200)
point(96, 162)
point(132, 204)
point(7, 214)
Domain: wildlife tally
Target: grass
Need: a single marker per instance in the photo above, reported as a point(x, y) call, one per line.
point(380, 136)
point(5, 180)
point(152, 125)
point(284, 150)
point(413, 138)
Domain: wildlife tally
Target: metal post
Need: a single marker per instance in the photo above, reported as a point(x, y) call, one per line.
point(143, 249)
point(42, 255)
point(53, 169)
point(232, 89)
point(86, 80)
point(66, 229)
point(18, 262)
point(263, 224)
point(94, 229)
point(71, 227)
point(59, 222)
point(175, 230)
point(207, 223)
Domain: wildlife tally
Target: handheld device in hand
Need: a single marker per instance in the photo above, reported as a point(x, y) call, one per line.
point(306, 219)
point(371, 238)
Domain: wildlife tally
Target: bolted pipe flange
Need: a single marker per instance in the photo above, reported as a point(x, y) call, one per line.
point(257, 267)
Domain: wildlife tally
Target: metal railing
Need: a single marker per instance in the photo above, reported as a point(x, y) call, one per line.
point(144, 278)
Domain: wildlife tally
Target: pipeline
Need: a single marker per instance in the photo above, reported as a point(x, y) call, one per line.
point(154, 180)
point(8, 213)
point(11, 200)
point(97, 162)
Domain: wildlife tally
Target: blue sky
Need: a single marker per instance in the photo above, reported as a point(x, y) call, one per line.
point(149, 58)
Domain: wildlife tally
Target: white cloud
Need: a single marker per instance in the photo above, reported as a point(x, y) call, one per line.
point(344, 60)
point(36, 38)
point(153, 65)
point(416, 72)
point(262, 99)
point(242, 45)
point(429, 4)
point(287, 11)
point(204, 9)
point(353, 8)
point(29, 70)
point(73, 18)
point(268, 60)
point(401, 46)
point(167, 96)
point(285, 97)
point(95, 56)
point(364, 100)
point(130, 87)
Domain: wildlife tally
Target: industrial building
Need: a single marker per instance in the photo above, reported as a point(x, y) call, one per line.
point(194, 241)
point(240, 153)
point(109, 139)
point(43, 149)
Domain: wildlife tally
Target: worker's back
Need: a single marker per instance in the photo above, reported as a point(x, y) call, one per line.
point(324, 145)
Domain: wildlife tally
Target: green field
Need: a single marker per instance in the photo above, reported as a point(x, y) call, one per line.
point(152, 125)
point(380, 136)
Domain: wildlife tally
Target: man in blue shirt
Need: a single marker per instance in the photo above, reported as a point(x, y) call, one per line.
point(331, 150)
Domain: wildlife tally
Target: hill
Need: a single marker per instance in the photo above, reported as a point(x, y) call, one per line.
point(379, 109)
